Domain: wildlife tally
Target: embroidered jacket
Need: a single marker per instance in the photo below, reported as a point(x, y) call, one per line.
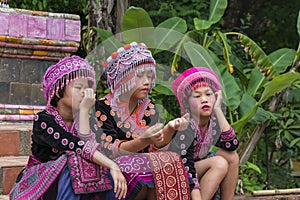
point(118, 125)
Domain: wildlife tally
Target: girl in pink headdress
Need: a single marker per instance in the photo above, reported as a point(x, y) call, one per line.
point(66, 162)
point(198, 92)
point(131, 132)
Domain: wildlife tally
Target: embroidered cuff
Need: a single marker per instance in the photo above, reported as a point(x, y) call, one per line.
point(116, 146)
point(228, 135)
point(196, 182)
point(90, 136)
point(153, 148)
point(89, 150)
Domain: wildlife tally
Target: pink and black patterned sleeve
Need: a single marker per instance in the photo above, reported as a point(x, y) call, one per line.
point(228, 140)
point(50, 135)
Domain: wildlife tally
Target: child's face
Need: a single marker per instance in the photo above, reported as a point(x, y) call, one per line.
point(201, 102)
point(74, 94)
point(143, 83)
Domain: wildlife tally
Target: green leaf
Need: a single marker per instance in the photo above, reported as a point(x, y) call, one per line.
point(202, 24)
point(199, 56)
point(231, 90)
point(253, 166)
point(239, 125)
point(216, 10)
point(247, 103)
point(226, 50)
point(278, 84)
point(282, 59)
point(162, 89)
point(294, 141)
point(137, 26)
point(256, 80)
point(168, 33)
point(106, 44)
point(189, 36)
point(257, 54)
point(289, 122)
point(260, 116)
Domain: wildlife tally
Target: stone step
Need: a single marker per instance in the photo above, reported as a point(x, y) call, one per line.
point(15, 139)
point(10, 167)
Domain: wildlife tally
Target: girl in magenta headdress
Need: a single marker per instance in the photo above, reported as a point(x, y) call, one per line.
point(198, 92)
point(129, 120)
point(66, 162)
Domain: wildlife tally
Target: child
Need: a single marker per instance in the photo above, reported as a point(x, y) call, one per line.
point(129, 121)
point(63, 166)
point(198, 92)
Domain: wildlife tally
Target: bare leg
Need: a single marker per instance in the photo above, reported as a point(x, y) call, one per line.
point(211, 172)
point(142, 195)
point(228, 184)
point(151, 194)
point(146, 194)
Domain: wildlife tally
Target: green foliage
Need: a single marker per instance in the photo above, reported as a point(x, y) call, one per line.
point(250, 178)
point(246, 95)
point(61, 6)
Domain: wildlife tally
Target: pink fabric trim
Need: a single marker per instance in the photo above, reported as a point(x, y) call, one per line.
point(228, 135)
point(89, 150)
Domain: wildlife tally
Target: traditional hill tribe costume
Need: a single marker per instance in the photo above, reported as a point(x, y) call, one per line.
point(57, 151)
point(193, 144)
point(163, 170)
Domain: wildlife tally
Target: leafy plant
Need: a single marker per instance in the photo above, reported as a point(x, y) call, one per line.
point(253, 84)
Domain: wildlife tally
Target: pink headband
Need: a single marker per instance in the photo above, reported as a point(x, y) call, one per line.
point(185, 81)
point(66, 70)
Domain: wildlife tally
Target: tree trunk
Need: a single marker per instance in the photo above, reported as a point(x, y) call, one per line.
point(107, 15)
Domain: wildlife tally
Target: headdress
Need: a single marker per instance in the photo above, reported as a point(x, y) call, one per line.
point(66, 70)
point(185, 82)
point(133, 57)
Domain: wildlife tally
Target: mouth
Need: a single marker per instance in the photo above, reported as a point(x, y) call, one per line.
point(205, 107)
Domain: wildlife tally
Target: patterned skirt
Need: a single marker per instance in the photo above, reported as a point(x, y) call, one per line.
point(36, 180)
point(163, 171)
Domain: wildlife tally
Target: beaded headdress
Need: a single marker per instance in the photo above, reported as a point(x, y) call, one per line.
point(66, 70)
point(196, 76)
point(118, 68)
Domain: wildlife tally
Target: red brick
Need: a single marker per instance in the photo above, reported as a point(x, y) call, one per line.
point(9, 177)
point(9, 143)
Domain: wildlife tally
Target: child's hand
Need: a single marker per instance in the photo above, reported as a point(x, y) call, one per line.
point(218, 103)
point(181, 123)
point(88, 100)
point(196, 194)
point(153, 134)
point(120, 185)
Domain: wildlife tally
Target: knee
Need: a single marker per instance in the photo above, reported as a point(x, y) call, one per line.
point(221, 164)
point(233, 158)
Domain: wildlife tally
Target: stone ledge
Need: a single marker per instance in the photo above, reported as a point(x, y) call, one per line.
point(13, 161)
point(13, 113)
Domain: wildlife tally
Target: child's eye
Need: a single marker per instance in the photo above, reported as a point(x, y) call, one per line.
point(196, 96)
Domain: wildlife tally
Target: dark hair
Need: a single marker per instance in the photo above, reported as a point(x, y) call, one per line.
point(61, 92)
point(56, 98)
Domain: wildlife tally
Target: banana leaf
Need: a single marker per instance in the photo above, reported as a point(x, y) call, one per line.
point(137, 26)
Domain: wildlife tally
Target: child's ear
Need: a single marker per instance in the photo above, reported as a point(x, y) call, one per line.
point(57, 95)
